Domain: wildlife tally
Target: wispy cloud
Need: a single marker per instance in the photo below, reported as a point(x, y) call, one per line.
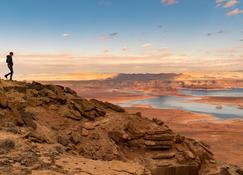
point(231, 3)
point(147, 45)
point(219, 3)
point(235, 12)
point(168, 2)
point(66, 34)
point(215, 33)
point(109, 36)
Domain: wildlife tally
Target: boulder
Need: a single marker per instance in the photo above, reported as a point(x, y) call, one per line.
point(35, 137)
point(70, 91)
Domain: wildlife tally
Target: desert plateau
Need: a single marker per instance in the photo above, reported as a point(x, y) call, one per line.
point(221, 131)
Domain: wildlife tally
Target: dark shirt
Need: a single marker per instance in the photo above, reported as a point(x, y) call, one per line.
point(9, 60)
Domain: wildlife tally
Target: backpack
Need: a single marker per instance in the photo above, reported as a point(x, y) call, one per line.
point(7, 59)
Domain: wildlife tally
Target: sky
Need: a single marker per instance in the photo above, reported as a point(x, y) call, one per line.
point(58, 37)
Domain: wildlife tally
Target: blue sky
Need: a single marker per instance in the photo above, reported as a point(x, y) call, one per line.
point(98, 35)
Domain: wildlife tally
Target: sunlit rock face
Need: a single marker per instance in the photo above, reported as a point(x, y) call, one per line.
point(48, 129)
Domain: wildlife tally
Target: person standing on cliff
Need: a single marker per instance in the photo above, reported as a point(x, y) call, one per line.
point(9, 62)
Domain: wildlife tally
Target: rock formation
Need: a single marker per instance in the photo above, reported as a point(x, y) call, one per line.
point(48, 129)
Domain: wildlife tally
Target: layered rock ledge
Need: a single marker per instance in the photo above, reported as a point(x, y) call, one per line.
point(48, 129)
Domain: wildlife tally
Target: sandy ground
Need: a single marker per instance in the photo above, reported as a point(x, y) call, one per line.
point(224, 137)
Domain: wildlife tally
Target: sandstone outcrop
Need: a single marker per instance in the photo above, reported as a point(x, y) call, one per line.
point(48, 129)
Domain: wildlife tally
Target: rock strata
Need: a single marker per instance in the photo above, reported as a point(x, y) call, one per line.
point(48, 129)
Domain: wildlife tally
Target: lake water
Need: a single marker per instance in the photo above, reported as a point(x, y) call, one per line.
point(187, 103)
point(238, 92)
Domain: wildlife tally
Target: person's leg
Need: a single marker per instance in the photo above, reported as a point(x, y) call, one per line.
point(6, 75)
point(11, 71)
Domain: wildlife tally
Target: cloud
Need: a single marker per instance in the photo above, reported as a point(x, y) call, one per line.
point(147, 45)
point(109, 36)
point(66, 34)
point(235, 12)
point(215, 33)
point(168, 2)
point(219, 3)
point(230, 3)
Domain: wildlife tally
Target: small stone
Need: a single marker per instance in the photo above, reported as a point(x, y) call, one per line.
point(75, 138)
point(10, 127)
point(84, 132)
point(179, 139)
point(62, 140)
point(180, 147)
point(28, 119)
point(53, 107)
point(89, 126)
point(190, 155)
point(212, 161)
point(158, 122)
point(7, 144)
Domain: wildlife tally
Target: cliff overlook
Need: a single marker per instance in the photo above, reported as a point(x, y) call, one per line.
point(49, 129)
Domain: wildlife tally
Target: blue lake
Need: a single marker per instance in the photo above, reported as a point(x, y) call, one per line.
point(238, 92)
point(187, 103)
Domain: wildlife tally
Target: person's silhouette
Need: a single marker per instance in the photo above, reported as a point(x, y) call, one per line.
point(9, 62)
